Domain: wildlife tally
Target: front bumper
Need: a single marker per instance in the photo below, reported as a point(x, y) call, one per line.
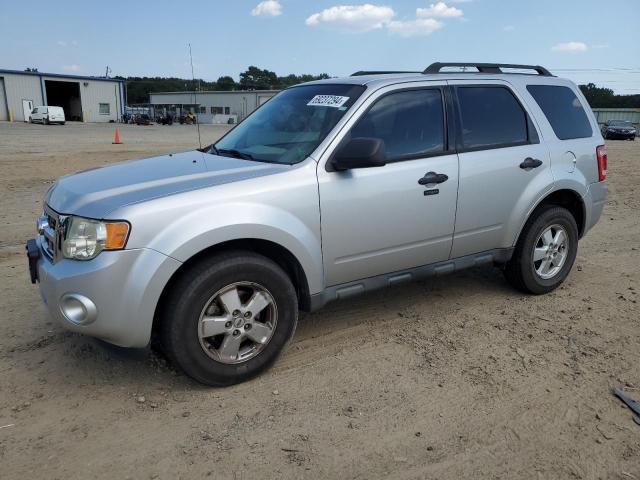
point(617, 135)
point(124, 287)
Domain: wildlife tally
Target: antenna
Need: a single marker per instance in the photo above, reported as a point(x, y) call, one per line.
point(195, 97)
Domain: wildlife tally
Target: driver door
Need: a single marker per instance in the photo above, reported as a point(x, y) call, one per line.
point(382, 220)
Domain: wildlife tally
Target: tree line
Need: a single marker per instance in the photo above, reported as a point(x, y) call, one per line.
point(600, 97)
point(254, 78)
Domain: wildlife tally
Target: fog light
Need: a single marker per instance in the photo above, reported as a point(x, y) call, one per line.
point(78, 309)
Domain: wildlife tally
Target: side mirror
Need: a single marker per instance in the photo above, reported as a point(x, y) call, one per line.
point(360, 153)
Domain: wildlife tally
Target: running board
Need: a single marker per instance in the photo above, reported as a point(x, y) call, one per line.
point(350, 289)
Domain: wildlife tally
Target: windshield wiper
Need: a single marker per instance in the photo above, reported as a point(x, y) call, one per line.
point(234, 153)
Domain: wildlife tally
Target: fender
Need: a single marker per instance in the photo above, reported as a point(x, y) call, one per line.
point(563, 184)
point(206, 227)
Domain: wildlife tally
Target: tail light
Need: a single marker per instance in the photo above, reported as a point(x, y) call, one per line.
point(601, 154)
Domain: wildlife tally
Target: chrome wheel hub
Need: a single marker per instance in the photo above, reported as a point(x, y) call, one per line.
point(237, 322)
point(550, 251)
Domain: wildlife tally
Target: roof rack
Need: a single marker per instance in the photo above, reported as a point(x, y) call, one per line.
point(487, 67)
point(378, 72)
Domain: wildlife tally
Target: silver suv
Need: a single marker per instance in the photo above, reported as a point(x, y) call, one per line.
point(331, 189)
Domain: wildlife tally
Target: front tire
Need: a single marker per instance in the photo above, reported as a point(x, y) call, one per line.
point(228, 317)
point(545, 251)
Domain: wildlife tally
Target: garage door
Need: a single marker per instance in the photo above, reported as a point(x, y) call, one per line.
point(3, 102)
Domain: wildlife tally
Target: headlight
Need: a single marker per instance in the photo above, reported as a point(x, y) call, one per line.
point(86, 238)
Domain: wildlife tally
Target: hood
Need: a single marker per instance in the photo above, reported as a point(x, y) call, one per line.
point(621, 127)
point(96, 192)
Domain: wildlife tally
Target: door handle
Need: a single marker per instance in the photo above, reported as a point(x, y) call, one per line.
point(433, 177)
point(530, 163)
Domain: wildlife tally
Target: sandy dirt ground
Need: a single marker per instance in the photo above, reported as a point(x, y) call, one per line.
point(455, 377)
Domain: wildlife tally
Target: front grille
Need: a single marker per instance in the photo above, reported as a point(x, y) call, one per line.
point(52, 234)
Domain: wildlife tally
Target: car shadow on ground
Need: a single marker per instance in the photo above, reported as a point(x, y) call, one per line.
point(88, 361)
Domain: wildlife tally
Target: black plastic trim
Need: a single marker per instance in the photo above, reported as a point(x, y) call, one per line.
point(486, 67)
point(361, 73)
point(33, 254)
point(497, 256)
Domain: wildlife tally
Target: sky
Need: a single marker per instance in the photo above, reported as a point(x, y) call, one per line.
point(586, 40)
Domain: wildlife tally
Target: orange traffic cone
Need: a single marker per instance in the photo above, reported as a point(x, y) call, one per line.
point(116, 138)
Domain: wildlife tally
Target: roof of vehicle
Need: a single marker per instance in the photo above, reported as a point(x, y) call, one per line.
point(481, 71)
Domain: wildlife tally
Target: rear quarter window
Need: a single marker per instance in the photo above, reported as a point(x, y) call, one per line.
point(563, 110)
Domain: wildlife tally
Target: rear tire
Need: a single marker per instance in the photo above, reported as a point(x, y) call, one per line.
point(201, 301)
point(542, 259)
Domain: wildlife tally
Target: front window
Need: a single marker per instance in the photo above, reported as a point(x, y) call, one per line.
point(411, 124)
point(620, 123)
point(288, 127)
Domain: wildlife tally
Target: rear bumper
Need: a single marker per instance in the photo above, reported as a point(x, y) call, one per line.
point(594, 201)
point(119, 290)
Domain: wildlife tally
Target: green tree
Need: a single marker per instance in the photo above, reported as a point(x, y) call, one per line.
point(255, 78)
point(226, 83)
point(600, 97)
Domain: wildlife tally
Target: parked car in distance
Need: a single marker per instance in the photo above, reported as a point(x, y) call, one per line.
point(47, 115)
point(619, 129)
point(330, 189)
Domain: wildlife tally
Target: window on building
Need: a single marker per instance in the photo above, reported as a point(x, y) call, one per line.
point(203, 109)
point(216, 110)
point(227, 111)
point(104, 109)
point(563, 110)
point(411, 123)
point(491, 117)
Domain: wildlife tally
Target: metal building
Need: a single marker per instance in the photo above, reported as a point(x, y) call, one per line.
point(85, 99)
point(211, 107)
point(630, 114)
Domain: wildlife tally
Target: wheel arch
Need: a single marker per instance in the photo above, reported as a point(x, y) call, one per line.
point(565, 197)
point(274, 251)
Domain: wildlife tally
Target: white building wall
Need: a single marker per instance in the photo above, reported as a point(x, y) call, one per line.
point(18, 88)
point(92, 94)
point(97, 92)
point(240, 103)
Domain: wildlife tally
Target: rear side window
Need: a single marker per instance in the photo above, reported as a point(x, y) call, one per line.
point(491, 117)
point(410, 122)
point(563, 110)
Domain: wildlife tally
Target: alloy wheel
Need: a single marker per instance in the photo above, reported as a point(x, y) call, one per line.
point(550, 251)
point(237, 322)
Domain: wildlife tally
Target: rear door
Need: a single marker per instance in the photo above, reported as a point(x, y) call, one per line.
point(382, 220)
point(504, 168)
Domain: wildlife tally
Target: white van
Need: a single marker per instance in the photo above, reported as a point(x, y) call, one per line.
point(47, 115)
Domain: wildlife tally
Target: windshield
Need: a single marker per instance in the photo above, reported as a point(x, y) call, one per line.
point(619, 123)
point(288, 127)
